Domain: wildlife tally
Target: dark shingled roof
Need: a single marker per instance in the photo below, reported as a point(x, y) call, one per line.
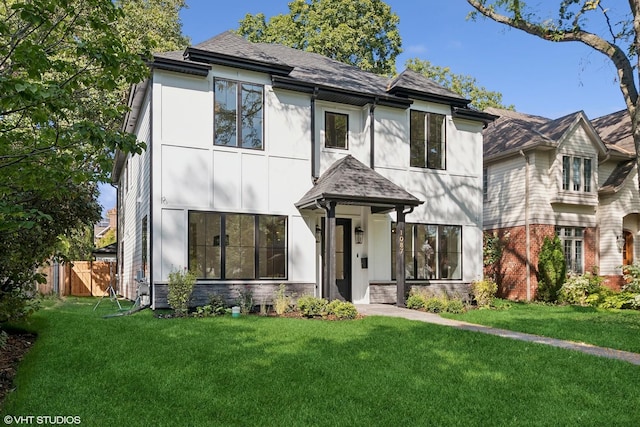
point(348, 181)
point(617, 177)
point(306, 71)
point(615, 131)
point(514, 131)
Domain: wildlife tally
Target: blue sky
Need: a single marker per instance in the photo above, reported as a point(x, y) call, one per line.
point(537, 76)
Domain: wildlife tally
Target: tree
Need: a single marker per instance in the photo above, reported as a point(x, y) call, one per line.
point(363, 33)
point(64, 70)
point(552, 269)
point(616, 38)
point(465, 86)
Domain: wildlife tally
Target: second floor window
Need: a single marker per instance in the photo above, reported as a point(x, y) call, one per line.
point(576, 174)
point(427, 140)
point(336, 130)
point(238, 114)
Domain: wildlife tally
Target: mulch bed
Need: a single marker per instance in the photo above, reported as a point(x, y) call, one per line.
point(17, 346)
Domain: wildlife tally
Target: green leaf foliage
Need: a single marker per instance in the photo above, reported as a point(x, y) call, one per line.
point(552, 269)
point(465, 86)
point(363, 33)
point(65, 68)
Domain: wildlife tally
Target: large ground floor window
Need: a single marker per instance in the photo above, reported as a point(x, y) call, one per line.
point(237, 246)
point(431, 252)
point(572, 239)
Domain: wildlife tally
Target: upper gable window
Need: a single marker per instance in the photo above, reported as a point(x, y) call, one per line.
point(336, 130)
point(576, 174)
point(428, 140)
point(238, 111)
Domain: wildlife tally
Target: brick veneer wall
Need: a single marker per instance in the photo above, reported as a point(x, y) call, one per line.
point(510, 272)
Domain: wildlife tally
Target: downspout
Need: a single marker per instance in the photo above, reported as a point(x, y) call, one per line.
point(118, 242)
point(372, 133)
point(150, 222)
point(526, 223)
point(314, 168)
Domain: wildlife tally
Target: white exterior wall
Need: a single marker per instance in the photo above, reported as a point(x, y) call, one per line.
point(190, 173)
point(134, 206)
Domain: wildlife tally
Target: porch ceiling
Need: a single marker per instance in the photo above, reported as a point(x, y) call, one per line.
point(350, 182)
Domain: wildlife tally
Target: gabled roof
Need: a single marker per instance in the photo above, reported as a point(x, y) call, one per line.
point(615, 131)
point(617, 177)
point(349, 181)
point(513, 132)
point(412, 84)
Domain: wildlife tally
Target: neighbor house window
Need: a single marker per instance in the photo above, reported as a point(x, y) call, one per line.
point(576, 174)
point(485, 183)
point(238, 114)
point(427, 140)
point(237, 246)
point(572, 239)
point(432, 252)
point(336, 130)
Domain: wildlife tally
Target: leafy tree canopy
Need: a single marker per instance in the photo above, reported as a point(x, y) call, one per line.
point(65, 66)
point(363, 33)
point(465, 86)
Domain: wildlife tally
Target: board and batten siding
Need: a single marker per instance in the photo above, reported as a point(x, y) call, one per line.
point(194, 174)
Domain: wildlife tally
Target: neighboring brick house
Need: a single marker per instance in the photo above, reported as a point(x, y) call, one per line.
point(572, 177)
point(268, 165)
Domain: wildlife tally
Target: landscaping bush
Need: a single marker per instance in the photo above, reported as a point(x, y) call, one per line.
point(455, 306)
point(552, 269)
point(311, 306)
point(342, 309)
point(181, 283)
point(435, 304)
point(484, 292)
point(416, 300)
point(281, 301)
point(216, 307)
point(577, 288)
point(245, 300)
point(631, 274)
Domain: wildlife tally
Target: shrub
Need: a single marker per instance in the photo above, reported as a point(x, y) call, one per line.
point(577, 288)
point(455, 306)
point(181, 284)
point(484, 292)
point(342, 309)
point(618, 300)
point(416, 300)
point(552, 269)
point(311, 306)
point(245, 300)
point(631, 274)
point(435, 304)
point(281, 301)
point(218, 304)
point(3, 339)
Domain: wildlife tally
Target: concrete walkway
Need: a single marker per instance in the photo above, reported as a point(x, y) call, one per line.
point(393, 311)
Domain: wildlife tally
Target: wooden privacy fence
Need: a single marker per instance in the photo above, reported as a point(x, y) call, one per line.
point(79, 278)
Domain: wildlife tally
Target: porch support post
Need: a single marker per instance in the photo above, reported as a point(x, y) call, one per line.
point(400, 264)
point(330, 290)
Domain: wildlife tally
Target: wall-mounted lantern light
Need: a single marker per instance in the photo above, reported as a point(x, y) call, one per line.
point(318, 233)
point(620, 242)
point(359, 235)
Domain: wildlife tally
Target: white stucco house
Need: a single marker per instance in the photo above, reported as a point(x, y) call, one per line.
point(267, 165)
point(572, 177)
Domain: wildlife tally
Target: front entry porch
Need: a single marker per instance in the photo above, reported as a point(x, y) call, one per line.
point(350, 182)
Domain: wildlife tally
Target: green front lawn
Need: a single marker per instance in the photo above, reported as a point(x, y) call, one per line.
point(256, 371)
point(619, 329)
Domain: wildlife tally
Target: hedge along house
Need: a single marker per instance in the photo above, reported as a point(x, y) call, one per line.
point(267, 165)
point(571, 177)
